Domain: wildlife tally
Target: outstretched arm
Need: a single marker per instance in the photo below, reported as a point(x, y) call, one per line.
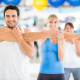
point(71, 35)
point(44, 34)
point(7, 35)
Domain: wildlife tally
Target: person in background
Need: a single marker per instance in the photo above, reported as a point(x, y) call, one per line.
point(71, 59)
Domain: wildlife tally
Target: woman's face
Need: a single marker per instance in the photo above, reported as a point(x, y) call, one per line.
point(68, 28)
point(52, 23)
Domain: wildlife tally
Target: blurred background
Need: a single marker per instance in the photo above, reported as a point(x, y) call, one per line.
point(34, 14)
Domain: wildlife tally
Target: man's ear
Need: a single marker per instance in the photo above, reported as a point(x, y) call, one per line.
point(4, 17)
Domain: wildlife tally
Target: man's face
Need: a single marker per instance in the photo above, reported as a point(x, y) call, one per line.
point(11, 18)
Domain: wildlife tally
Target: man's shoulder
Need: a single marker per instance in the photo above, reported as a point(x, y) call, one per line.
point(2, 33)
point(3, 27)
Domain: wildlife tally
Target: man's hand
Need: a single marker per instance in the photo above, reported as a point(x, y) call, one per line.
point(17, 32)
point(26, 47)
point(54, 33)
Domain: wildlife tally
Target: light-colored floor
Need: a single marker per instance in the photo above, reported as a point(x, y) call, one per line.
point(34, 70)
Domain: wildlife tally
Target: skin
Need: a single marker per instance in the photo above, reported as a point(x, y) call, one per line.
point(11, 18)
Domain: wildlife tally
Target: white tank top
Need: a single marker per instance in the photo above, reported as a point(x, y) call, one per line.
point(71, 60)
point(13, 62)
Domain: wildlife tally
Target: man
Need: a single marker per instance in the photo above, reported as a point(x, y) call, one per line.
point(14, 54)
point(16, 46)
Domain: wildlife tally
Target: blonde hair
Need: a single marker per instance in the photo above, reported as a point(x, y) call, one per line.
point(53, 16)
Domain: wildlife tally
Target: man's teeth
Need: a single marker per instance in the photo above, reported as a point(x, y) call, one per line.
point(11, 22)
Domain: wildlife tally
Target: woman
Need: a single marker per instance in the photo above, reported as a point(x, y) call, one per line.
point(71, 59)
point(52, 54)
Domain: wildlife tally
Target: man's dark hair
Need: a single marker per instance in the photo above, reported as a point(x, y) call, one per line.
point(70, 24)
point(12, 7)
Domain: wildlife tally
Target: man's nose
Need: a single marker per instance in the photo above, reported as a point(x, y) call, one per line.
point(10, 18)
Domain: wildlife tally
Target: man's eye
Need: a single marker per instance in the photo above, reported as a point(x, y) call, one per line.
point(13, 16)
point(7, 16)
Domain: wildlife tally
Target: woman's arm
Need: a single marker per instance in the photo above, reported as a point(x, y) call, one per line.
point(61, 46)
point(77, 45)
point(71, 35)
